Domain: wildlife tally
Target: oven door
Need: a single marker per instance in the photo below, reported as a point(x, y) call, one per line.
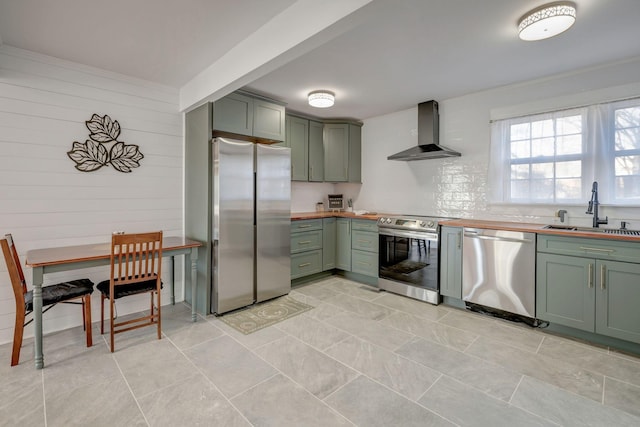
point(408, 264)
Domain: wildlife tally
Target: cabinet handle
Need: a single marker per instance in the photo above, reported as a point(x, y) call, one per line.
point(590, 283)
point(603, 275)
point(304, 226)
point(306, 264)
point(311, 172)
point(305, 242)
point(587, 248)
point(459, 238)
point(368, 242)
point(363, 263)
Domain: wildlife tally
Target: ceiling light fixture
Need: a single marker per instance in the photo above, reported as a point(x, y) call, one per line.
point(321, 98)
point(547, 21)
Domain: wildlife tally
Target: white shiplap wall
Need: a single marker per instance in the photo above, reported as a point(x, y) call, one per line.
point(45, 201)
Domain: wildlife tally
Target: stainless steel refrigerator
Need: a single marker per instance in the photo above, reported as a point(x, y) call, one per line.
point(251, 223)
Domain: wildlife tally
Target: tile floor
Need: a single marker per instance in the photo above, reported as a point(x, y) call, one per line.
point(358, 358)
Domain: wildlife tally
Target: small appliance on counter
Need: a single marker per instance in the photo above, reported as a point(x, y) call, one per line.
point(335, 202)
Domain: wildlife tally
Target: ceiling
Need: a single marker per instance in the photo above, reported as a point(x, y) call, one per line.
point(399, 54)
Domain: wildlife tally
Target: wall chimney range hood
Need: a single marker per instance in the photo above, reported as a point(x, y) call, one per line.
point(428, 137)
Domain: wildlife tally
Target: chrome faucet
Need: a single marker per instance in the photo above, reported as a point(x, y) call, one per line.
point(592, 209)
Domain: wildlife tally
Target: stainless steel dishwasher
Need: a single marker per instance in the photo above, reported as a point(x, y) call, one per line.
point(498, 270)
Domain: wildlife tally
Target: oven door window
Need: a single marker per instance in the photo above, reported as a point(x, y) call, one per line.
point(409, 261)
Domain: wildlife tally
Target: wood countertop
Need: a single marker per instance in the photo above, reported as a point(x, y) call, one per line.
point(328, 214)
point(537, 228)
point(478, 223)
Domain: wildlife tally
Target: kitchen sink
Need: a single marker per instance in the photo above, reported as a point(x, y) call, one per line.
point(561, 227)
point(619, 231)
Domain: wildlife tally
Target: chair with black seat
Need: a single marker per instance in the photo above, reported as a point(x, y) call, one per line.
point(136, 265)
point(66, 292)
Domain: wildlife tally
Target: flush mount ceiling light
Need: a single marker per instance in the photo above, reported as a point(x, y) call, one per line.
point(547, 20)
point(321, 98)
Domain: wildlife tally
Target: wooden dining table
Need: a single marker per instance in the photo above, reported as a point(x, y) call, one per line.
point(65, 258)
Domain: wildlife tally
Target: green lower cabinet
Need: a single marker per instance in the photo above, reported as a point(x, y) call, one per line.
point(590, 294)
point(306, 263)
point(451, 262)
point(364, 262)
point(617, 299)
point(306, 241)
point(328, 244)
point(343, 244)
point(565, 290)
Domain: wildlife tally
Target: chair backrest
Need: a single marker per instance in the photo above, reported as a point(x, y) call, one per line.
point(136, 257)
point(16, 259)
point(14, 274)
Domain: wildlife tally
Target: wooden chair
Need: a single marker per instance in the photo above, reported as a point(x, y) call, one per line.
point(136, 266)
point(51, 295)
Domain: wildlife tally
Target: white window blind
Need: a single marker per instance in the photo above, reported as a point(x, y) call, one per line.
point(554, 157)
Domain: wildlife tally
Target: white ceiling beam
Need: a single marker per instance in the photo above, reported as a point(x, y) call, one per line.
point(297, 30)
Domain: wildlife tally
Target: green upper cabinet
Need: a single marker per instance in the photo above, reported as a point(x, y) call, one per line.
point(268, 120)
point(316, 152)
point(244, 114)
point(342, 152)
point(336, 152)
point(234, 113)
point(297, 138)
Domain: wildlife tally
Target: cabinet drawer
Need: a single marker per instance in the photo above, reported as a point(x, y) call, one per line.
point(364, 263)
point(364, 241)
point(306, 241)
point(364, 225)
point(594, 248)
point(306, 263)
point(306, 225)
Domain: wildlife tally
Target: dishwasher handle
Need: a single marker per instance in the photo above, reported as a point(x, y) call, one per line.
point(476, 235)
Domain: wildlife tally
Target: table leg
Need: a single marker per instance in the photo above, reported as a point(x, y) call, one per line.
point(37, 279)
point(194, 277)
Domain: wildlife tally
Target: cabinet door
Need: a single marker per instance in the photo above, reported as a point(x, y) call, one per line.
point(451, 262)
point(565, 290)
point(328, 244)
point(306, 241)
point(306, 263)
point(316, 152)
point(364, 262)
point(343, 244)
point(297, 138)
point(355, 149)
point(336, 152)
point(617, 296)
point(234, 113)
point(268, 120)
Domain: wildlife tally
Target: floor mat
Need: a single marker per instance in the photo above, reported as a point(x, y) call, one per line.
point(265, 314)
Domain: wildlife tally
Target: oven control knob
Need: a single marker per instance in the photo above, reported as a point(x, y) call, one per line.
point(430, 224)
point(388, 220)
point(422, 224)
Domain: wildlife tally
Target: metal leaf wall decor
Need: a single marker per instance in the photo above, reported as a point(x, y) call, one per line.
point(93, 154)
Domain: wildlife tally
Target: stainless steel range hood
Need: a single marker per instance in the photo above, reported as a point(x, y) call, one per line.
point(428, 137)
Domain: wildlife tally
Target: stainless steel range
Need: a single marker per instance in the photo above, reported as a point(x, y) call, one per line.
point(408, 256)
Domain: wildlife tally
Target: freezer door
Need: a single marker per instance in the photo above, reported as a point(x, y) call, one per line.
point(233, 225)
point(273, 219)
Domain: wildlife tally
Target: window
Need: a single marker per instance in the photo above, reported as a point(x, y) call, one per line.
point(554, 157)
